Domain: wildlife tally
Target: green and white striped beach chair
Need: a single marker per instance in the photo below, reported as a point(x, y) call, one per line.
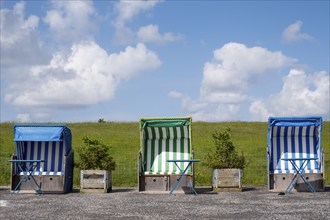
point(163, 139)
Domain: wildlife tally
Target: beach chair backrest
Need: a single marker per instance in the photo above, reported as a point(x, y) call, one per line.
point(162, 140)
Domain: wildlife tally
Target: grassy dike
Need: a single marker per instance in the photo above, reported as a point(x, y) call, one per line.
point(250, 138)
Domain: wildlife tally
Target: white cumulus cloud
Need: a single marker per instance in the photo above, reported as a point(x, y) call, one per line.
point(85, 76)
point(301, 94)
point(19, 37)
point(235, 65)
point(293, 33)
point(150, 33)
point(23, 118)
point(71, 70)
point(228, 79)
point(126, 11)
point(71, 20)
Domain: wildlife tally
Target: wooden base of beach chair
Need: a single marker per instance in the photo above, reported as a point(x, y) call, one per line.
point(164, 183)
point(49, 184)
point(280, 182)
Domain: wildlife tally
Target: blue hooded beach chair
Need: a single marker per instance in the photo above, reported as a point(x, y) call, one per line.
point(51, 144)
point(295, 140)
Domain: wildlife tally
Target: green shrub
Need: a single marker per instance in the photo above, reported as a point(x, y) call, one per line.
point(95, 155)
point(101, 120)
point(225, 155)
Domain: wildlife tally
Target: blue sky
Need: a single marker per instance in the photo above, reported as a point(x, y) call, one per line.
point(75, 61)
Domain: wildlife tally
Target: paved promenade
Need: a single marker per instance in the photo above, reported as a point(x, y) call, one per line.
point(252, 203)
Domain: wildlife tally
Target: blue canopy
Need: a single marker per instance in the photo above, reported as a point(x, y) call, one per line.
point(38, 133)
point(295, 121)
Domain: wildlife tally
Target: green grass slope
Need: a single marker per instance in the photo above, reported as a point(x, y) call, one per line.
point(250, 138)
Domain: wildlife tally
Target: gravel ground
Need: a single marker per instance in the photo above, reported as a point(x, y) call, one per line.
point(252, 203)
